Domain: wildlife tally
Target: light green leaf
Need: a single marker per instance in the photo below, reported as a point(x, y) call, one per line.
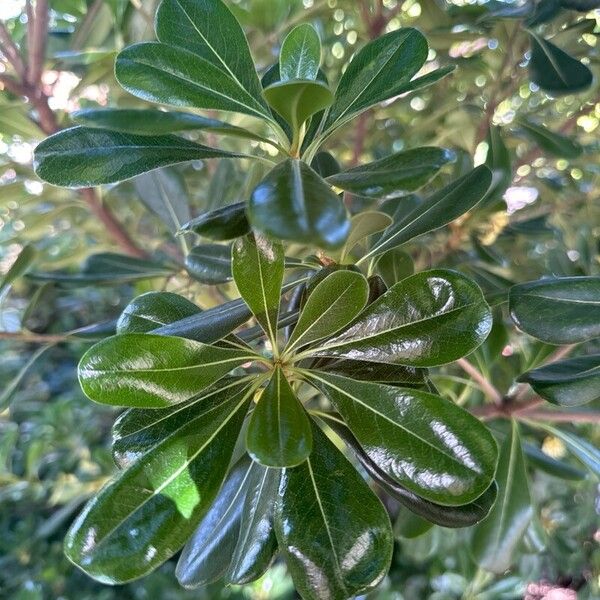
point(18, 268)
point(300, 54)
point(363, 225)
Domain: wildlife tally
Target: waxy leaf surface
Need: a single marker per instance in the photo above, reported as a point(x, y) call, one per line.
point(209, 263)
point(300, 54)
point(225, 223)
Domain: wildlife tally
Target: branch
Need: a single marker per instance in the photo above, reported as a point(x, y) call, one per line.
point(37, 35)
point(10, 50)
point(486, 387)
point(33, 338)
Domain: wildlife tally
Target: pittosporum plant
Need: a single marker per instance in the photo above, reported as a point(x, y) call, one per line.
point(241, 443)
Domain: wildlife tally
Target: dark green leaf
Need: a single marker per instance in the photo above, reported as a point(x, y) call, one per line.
point(294, 203)
point(206, 556)
point(410, 526)
point(298, 100)
point(395, 175)
point(436, 211)
point(557, 468)
point(163, 191)
point(84, 156)
point(18, 268)
point(372, 371)
point(333, 531)
point(564, 310)
point(209, 263)
point(555, 71)
point(554, 143)
point(258, 265)
point(428, 319)
point(334, 303)
point(395, 265)
point(154, 309)
point(427, 444)
point(300, 54)
point(498, 160)
point(279, 431)
point(143, 517)
point(138, 431)
point(569, 382)
point(377, 72)
point(325, 164)
point(256, 544)
point(209, 29)
point(150, 371)
point(224, 223)
point(495, 540)
point(170, 75)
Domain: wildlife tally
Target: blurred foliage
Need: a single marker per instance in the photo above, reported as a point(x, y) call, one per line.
point(54, 448)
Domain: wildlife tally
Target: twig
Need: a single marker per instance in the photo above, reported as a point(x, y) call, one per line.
point(486, 387)
point(37, 34)
point(10, 50)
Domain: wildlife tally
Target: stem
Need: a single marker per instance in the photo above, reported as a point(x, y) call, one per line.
point(10, 50)
point(486, 387)
point(37, 35)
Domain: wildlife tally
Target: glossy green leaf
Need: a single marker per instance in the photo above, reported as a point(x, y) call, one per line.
point(258, 265)
point(569, 382)
point(209, 29)
point(554, 143)
point(436, 211)
point(84, 156)
point(300, 54)
point(394, 266)
point(495, 540)
point(371, 371)
point(143, 517)
point(294, 203)
point(395, 175)
point(170, 75)
point(377, 72)
point(464, 515)
point(279, 431)
point(151, 121)
point(332, 530)
point(18, 268)
point(363, 225)
point(428, 319)
point(333, 303)
point(225, 223)
point(209, 263)
point(325, 164)
point(138, 431)
point(206, 556)
point(427, 444)
point(298, 100)
point(256, 544)
point(563, 310)
point(152, 310)
point(164, 192)
point(408, 525)
point(583, 450)
point(554, 70)
point(148, 371)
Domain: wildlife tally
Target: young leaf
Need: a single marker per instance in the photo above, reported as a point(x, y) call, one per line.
point(555, 71)
point(569, 382)
point(395, 175)
point(150, 371)
point(333, 531)
point(138, 431)
point(294, 203)
point(298, 100)
point(333, 303)
point(257, 266)
point(256, 544)
point(429, 445)
point(394, 266)
point(225, 223)
point(206, 556)
point(279, 432)
point(143, 517)
point(164, 192)
point(377, 72)
point(563, 310)
point(210, 263)
point(152, 310)
point(209, 29)
point(84, 156)
point(170, 75)
point(436, 211)
point(363, 225)
point(496, 539)
point(18, 268)
point(300, 54)
point(428, 319)
point(554, 143)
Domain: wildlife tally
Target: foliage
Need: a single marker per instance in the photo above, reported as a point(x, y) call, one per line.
point(318, 410)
